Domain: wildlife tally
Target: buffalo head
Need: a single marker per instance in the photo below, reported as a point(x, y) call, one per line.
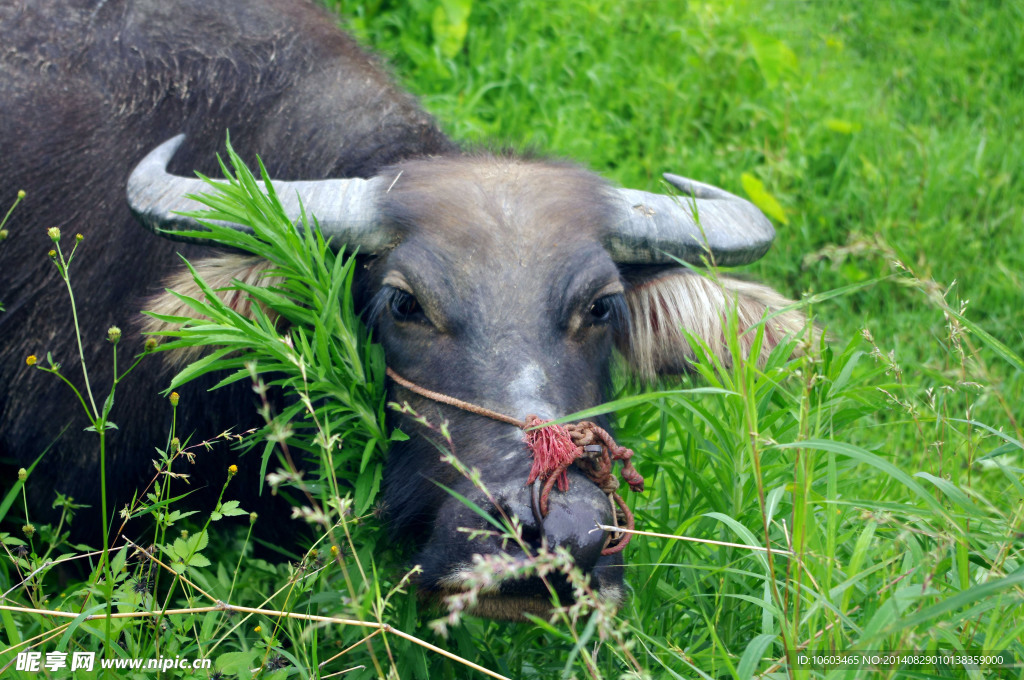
point(508, 283)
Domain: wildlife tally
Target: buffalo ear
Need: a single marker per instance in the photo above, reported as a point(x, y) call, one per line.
point(218, 273)
point(662, 301)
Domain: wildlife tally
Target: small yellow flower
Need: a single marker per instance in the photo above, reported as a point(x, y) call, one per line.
point(31, 360)
point(21, 194)
point(52, 254)
point(79, 238)
point(334, 551)
point(150, 344)
point(174, 398)
point(53, 233)
point(232, 470)
point(258, 630)
point(29, 530)
point(113, 334)
point(22, 474)
point(4, 234)
point(252, 517)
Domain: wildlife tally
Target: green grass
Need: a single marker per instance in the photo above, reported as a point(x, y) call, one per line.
point(891, 466)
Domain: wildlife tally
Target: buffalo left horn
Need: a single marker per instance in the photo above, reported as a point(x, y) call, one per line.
point(702, 223)
point(345, 208)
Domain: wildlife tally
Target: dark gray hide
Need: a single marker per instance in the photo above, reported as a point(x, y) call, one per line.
point(501, 287)
point(86, 89)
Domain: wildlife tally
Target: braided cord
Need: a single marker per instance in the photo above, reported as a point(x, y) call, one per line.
point(555, 448)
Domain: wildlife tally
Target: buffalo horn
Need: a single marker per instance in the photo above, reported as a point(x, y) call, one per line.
point(703, 223)
point(345, 208)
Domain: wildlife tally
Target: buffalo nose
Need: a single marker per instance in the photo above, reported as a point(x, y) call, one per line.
point(572, 519)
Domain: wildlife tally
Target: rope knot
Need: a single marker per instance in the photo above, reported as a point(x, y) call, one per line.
point(592, 449)
point(555, 448)
point(553, 451)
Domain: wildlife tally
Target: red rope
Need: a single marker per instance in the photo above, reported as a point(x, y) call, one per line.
point(555, 448)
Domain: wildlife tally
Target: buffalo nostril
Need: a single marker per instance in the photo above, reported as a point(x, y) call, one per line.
point(529, 530)
point(531, 534)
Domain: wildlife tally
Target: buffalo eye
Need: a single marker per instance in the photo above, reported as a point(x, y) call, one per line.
point(404, 306)
point(603, 309)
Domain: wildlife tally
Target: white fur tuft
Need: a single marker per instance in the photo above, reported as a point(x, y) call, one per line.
point(680, 298)
point(217, 272)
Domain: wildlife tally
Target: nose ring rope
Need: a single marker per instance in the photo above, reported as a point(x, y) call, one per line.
point(555, 448)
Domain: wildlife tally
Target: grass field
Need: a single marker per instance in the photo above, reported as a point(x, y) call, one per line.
point(886, 472)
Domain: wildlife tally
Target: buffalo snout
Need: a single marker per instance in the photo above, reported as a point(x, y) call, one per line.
point(466, 529)
point(571, 520)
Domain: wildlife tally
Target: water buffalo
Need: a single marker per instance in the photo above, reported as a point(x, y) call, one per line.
point(500, 280)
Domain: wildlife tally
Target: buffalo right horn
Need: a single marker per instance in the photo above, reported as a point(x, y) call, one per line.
point(346, 209)
point(703, 222)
